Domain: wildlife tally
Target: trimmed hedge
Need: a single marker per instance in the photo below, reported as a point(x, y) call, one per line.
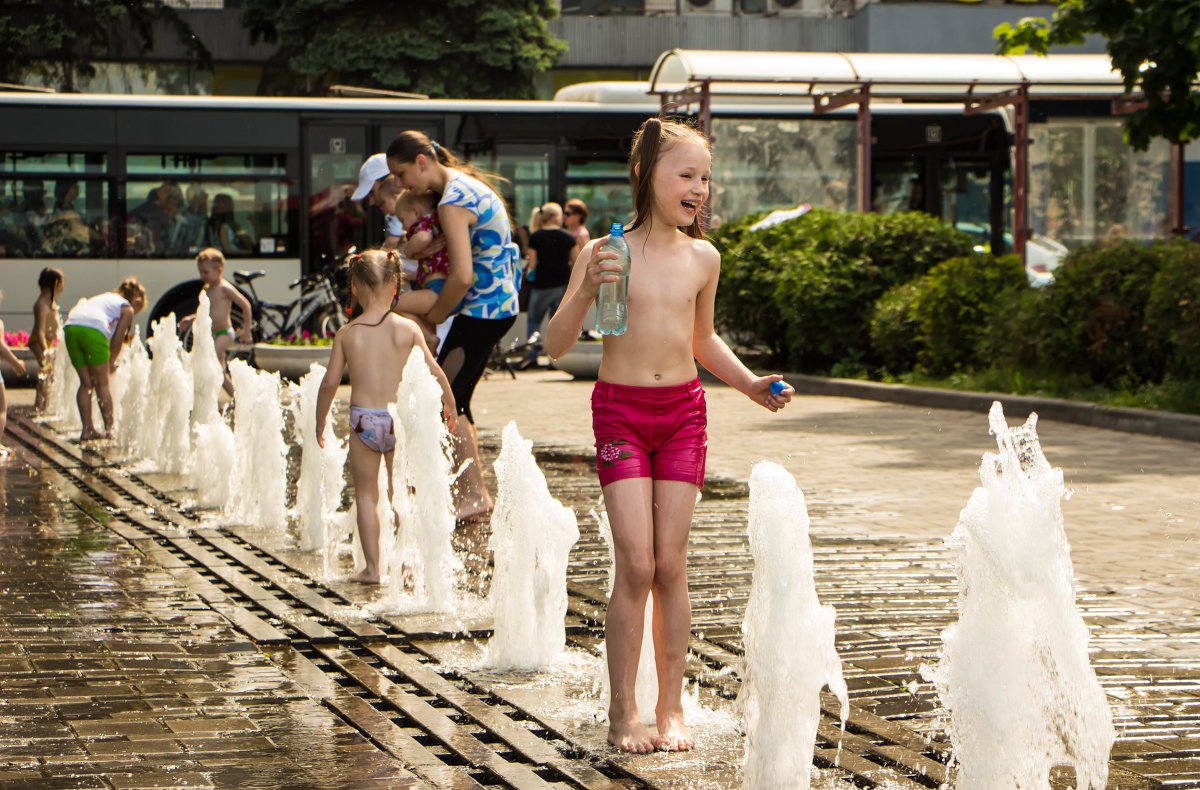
point(938, 320)
point(806, 288)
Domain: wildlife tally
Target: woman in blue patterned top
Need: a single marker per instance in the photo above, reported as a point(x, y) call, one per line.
point(482, 275)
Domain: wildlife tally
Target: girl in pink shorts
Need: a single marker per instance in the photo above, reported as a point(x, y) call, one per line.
point(649, 416)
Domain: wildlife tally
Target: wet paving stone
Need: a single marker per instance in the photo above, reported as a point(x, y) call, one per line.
point(182, 667)
point(105, 675)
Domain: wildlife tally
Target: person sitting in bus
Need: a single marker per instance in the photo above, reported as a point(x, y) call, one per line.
point(14, 236)
point(94, 332)
point(222, 296)
point(185, 234)
point(66, 234)
point(149, 224)
point(418, 213)
point(33, 206)
point(223, 230)
point(45, 330)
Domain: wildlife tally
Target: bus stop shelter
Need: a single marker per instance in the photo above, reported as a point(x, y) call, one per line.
point(685, 77)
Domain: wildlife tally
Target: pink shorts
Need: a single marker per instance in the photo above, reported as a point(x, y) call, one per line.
point(655, 432)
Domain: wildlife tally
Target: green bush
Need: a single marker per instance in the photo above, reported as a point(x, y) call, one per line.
point(939, 319)
point(1093, 319)
point(1173, 312)
point(895, 335)
point(806, 288)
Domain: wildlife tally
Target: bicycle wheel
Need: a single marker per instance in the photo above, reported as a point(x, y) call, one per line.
point(327, 321)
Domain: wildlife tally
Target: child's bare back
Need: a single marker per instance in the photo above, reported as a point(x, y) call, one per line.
point(375, 355)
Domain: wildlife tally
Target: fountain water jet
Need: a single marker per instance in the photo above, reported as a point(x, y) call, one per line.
point(130, 386)
point(532, 534)
point(1014, 670)
point(61, 404)
point(259, 476)
point(319, 488)
point(426, 515)
point(206, 368)
point(790, 653)
point(166, 443)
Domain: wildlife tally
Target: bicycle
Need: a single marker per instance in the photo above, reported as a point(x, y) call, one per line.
point(317, 310)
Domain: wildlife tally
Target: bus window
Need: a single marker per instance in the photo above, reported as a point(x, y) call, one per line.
point(53, 218)
point(1086, 184)
point(177, 204)
point(604, 189)
point(764, 164)
point(526, 174)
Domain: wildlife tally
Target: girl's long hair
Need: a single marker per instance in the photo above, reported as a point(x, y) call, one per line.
point(543, 216)
point(409, 144)
point(655, 138)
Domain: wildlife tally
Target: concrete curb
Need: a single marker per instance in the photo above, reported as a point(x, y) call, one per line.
point(1170, 425)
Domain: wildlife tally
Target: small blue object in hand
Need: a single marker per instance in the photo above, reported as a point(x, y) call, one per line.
point(777, 387)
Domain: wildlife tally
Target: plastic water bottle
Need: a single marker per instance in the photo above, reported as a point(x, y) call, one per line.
point(612, 304)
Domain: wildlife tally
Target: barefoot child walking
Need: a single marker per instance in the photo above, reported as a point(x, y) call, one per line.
point(375, 347)
point(222, 296)
point(648, 414)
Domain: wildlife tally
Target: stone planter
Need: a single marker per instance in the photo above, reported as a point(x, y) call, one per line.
point(583, 360)
point(291, 362)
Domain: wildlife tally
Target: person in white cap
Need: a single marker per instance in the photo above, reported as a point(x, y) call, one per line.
point(375, 183)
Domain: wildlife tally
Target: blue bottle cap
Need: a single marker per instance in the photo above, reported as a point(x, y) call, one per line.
point(616, 229)
point(777, 387)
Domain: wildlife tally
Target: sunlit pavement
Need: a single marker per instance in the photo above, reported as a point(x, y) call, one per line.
point(142, 651)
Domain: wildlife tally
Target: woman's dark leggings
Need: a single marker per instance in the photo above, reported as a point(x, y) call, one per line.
point(464, 354)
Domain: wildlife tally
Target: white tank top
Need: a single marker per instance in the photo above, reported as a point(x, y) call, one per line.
point(101, 312)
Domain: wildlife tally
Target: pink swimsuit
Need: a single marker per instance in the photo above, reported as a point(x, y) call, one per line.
point(374, 427)
point(655, 432)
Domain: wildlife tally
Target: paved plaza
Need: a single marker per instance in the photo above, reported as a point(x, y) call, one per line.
point(143, 646)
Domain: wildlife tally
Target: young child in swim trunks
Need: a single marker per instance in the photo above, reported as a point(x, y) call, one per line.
point(45, 330)
point(649, 416)
point(222, 296)
point(418, 212)
point(375, 346)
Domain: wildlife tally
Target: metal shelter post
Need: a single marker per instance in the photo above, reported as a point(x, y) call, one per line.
point(862, 97)
point(1019, 99)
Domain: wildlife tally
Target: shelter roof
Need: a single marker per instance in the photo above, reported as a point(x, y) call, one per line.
point(932, 77)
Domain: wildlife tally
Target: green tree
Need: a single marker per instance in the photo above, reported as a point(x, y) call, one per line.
point(451, 48)
point(1153, 43)
point(63, 38)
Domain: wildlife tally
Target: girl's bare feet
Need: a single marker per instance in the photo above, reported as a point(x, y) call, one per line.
point(673, 735)
point(88, 436)
point(365, 576)
point(630, 735)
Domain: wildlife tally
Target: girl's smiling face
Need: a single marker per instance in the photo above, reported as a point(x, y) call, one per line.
point(681, 180)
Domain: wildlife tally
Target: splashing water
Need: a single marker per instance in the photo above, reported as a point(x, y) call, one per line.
point(790, 653)
point(426, 516)
point(168, 445)
point(61, 405)
point(129, 385)
point(206, 367)
point(259, 480)
point(645, 686)
point(319, 488)
point(532, 535)
point(1014, 670)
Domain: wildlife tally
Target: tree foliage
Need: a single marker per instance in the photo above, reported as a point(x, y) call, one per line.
point(451, 48)
point(1153, 43)
point(65, 37)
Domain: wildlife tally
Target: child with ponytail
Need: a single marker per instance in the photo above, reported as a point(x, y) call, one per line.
point(649, 417)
